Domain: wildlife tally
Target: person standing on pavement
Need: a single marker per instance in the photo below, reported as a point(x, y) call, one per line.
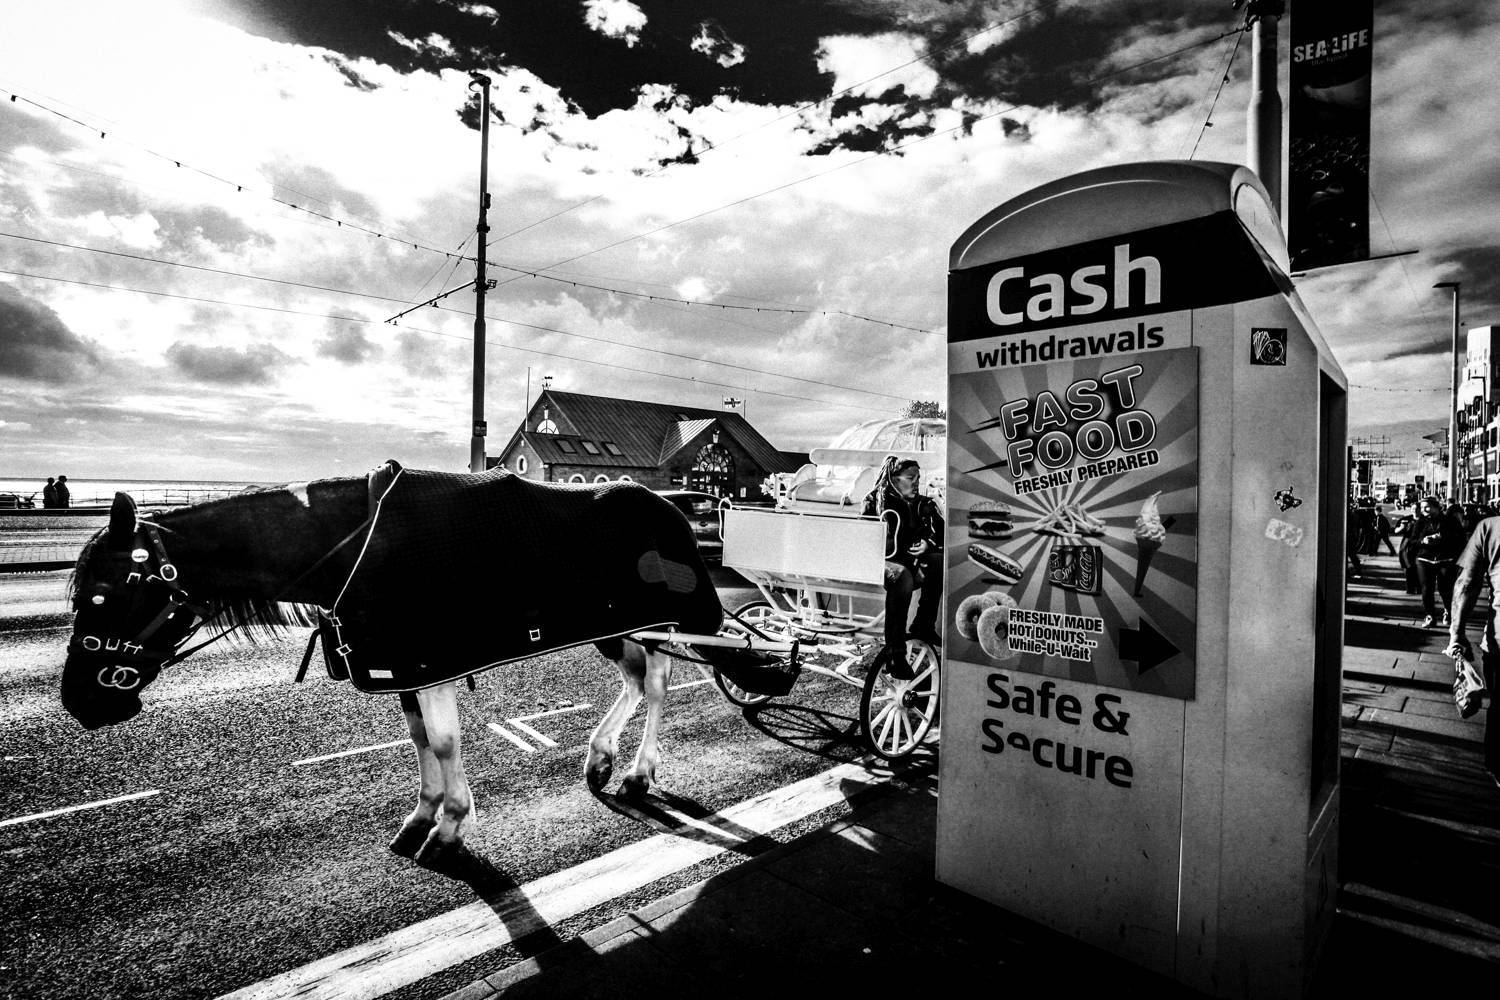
point(1480, 562)
point(1439, 539)
point(1407, 553)
point(64, 495)
point(1351, 542)
point(49, 493)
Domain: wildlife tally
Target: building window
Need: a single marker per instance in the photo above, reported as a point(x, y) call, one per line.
point(601, 478)
point(610, 448)
point(521, 464)
point(566, 446)
point(626, 479)
point(576, 477)
point(589, 446)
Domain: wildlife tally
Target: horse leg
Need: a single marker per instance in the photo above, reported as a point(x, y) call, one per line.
point(439, 706)
point(643, 772)
point(430, 788)
point(605, 741)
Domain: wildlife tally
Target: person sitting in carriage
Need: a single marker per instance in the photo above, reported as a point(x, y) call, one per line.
point(915, 558)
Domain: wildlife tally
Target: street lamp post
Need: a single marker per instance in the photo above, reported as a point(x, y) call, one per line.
point(1453, 400)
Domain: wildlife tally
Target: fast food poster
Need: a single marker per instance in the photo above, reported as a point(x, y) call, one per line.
point(1073, 520)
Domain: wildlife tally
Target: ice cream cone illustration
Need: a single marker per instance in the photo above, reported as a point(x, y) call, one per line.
point(1150, 532)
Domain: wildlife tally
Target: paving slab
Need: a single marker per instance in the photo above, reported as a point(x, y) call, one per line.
point(1452, 729)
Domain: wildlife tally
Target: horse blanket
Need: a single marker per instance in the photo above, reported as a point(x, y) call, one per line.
point(462, 572)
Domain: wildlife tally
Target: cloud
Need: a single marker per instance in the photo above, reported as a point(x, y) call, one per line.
point(257, 364)
point(347, 342)
point(714, 42)
point(36, 345)
point(615, 19)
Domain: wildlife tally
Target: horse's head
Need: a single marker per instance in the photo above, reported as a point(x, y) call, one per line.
point(130, 615)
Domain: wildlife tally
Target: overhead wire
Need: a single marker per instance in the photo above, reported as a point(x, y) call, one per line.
point(1208, 119)
point(239, 187)
point(498, 319)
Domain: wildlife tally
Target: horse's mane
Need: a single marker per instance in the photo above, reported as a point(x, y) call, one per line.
point(251, 618)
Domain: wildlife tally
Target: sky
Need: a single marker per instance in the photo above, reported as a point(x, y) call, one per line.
point(209, 209)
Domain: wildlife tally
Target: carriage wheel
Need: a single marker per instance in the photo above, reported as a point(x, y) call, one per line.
point(759, 614)
point(895, 715)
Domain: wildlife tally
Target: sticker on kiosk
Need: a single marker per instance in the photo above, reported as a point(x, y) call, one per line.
point(1073, 519)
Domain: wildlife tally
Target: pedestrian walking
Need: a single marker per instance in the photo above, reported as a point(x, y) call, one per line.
point(64, 495)
point(49, 493)
point(1407, 553)
point(1351, 542)
point(1479, 563)
point(1383, 530)
point(1439, 539)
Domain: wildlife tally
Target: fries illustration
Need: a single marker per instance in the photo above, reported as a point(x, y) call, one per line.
point(1069, 520)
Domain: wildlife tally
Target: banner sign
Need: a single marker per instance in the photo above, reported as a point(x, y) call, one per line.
point(1328, 156)
point(1073, 498)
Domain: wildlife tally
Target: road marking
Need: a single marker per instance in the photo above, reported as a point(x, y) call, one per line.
point(86, 805)
point(523, 727)
point(413, 953)
point(555, 711)
point(688, 684)
point(349, 753)
point(502, 731)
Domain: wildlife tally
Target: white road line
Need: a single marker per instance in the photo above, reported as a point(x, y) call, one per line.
point(523, 727)
point(86, 805)
point(555, 711)
point(502, 731)
point(349, 753)
point(688, 684)
point(413, 953)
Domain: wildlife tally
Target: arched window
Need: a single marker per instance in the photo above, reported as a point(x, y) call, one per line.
point(576, 477)
point(601, 478)
point(521, 464)
point(712, 471)
point(626, 479)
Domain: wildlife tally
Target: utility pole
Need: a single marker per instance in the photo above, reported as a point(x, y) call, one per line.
point(481, 283)
point(1453, 400)
point(1263, 123)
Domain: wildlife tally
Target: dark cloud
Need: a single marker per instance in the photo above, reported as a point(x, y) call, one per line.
point(182, 231)
point(36, 345)
point(255, 365)
point(421, 356)
point(1477, 269)
point(347, 342)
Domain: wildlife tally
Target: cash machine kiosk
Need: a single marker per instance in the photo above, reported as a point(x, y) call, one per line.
point(1145, 556)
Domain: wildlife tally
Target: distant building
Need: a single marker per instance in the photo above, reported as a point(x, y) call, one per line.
point(568, 437)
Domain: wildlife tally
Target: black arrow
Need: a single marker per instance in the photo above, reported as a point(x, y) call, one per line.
point(1145, 645)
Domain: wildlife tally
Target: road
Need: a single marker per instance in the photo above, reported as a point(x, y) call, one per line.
point(236, 829)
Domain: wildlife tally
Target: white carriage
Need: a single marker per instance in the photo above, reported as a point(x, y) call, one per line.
point(819, 565)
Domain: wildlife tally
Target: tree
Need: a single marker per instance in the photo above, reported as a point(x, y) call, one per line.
point(927, 408)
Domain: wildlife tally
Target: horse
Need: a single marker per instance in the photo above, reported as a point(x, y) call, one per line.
point(307, 554)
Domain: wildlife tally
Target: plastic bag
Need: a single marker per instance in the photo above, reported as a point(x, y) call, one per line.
point(1468, 686)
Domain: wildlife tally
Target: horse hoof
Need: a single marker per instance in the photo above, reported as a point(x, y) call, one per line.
point(410, 838)
point(436, 853)
point(597, 772)
point(635, 786)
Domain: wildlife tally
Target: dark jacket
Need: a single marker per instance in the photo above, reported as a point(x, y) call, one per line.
point(1448, 543)
point(920, 519)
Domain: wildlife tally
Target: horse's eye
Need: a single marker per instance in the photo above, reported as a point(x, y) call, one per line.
point(97, 599)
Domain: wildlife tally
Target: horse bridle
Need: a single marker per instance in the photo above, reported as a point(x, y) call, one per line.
point(134, 652)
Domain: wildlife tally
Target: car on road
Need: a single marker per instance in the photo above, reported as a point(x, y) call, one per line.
point(702, 512)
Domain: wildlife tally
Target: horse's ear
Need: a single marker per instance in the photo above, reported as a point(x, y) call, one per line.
point(122, 522)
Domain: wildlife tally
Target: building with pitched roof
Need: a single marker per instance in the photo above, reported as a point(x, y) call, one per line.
point(569, 437)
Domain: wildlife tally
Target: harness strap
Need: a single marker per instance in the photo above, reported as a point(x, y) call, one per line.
point(312, 641)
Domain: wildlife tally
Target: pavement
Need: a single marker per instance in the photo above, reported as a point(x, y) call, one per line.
point(853, 906)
